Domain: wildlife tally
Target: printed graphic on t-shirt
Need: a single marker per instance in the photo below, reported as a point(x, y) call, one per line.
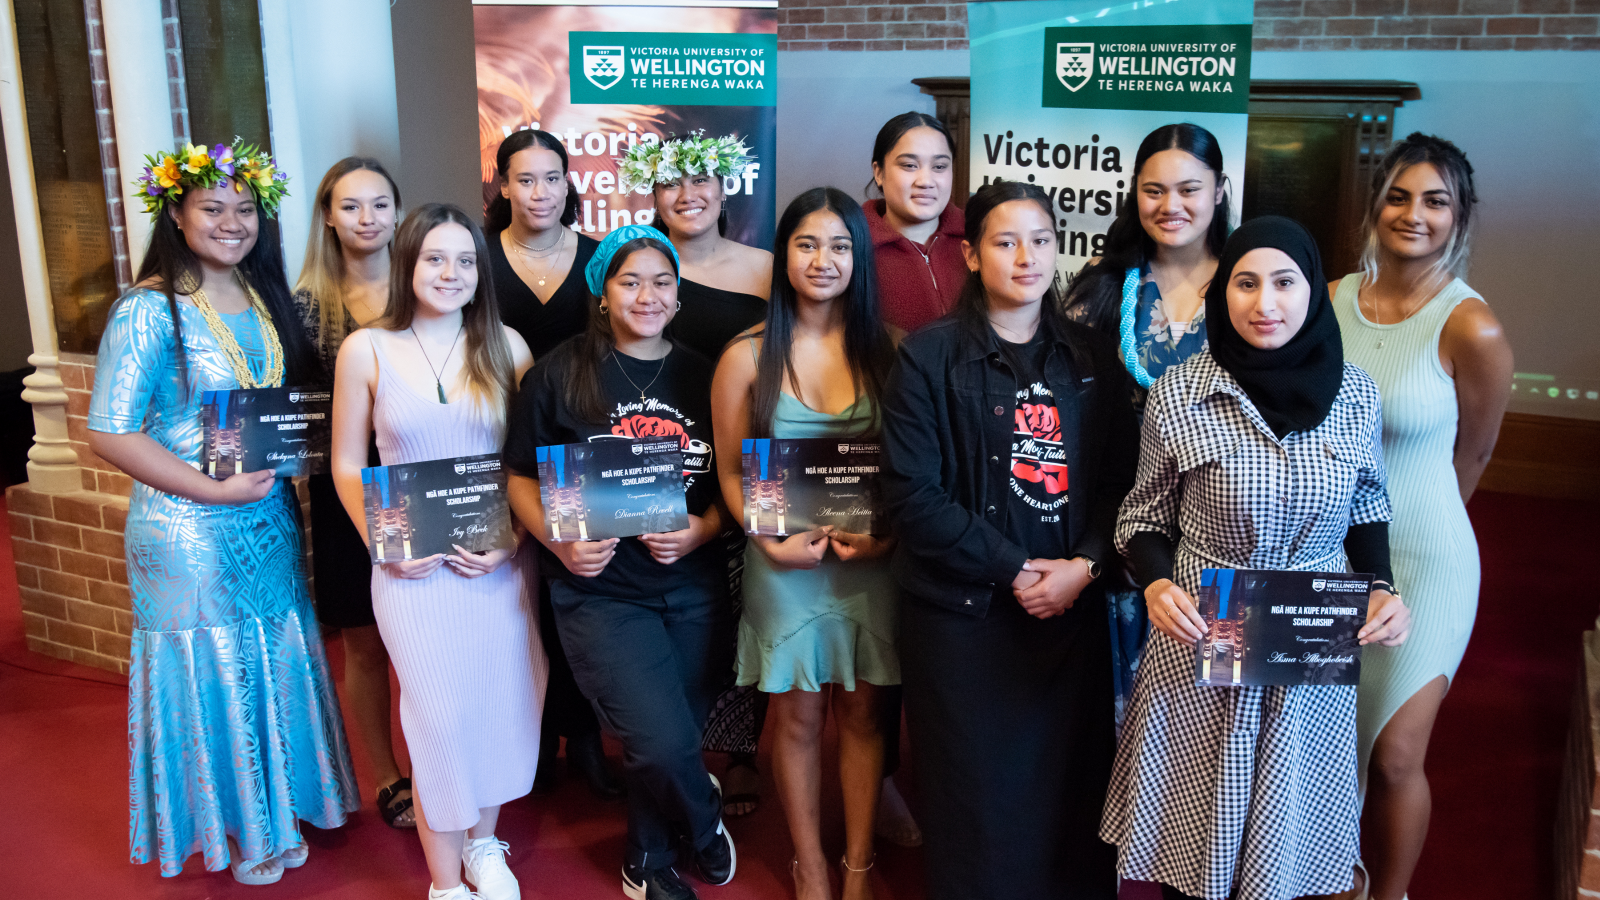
point(1038, 463)
point(652, 418)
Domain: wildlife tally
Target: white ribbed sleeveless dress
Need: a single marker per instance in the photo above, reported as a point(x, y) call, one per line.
point(1433, 548)
point(471, 667)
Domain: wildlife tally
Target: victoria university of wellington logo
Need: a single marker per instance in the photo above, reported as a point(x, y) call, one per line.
point(1074, 65)
point(603, 65)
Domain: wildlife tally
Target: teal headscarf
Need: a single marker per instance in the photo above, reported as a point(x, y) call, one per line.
point(595, 272)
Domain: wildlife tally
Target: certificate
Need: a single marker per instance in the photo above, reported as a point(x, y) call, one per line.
point(418, 509)
point(610, 487)
point(1280, 628)
point(287, 430)
point(794, 485)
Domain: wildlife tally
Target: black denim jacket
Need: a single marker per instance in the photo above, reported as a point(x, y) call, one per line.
point(948, 417)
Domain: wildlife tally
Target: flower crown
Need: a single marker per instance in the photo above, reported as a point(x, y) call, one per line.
point(168, 175)
point(646, 165)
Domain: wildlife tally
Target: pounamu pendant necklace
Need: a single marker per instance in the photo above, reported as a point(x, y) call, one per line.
point(437, 383)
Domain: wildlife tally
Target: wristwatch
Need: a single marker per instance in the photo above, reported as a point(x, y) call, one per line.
point(1094, 567)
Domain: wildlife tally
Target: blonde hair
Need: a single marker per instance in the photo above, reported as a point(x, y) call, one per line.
point(1456, 173)
point(322, 275)
point(491, 374)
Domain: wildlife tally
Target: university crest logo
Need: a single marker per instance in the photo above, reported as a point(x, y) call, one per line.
point(1074, 65)
point(603, 65)
point(461, 468)
point(1318, 584)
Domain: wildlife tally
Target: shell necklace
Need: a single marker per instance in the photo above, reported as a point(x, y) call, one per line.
point(230, 345)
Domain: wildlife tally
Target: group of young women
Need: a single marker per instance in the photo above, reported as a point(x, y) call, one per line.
point(1042, 539)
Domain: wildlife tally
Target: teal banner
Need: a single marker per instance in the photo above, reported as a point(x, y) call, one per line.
point(673, 69)
point(1183, 68)
point(1064, 91)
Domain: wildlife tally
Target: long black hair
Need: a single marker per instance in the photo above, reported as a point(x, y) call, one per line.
point(972, 304)
point(169, 263)
point(497, 215)
point(1095, 296)
point(584, 394)
point(867, 346)
point(895, 129)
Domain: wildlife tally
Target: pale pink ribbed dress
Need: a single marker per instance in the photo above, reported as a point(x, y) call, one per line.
point(472, 670)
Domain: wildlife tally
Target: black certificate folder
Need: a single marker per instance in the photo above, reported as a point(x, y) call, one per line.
point(794, 485)
point(287, 430)
point(610, 488)
point(1280, 628)
point(418, 509)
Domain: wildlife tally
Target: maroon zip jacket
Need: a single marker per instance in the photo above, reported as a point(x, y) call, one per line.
point(913, 289)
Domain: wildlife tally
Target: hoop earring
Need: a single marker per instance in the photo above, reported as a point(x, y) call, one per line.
point(603, 309)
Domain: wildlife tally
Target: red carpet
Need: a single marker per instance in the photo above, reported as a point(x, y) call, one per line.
point(1494, 766)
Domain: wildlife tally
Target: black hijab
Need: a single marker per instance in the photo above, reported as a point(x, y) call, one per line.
point(1293, 386)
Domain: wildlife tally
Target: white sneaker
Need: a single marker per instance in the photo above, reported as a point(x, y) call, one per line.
point(459, 892)
point(485, 860)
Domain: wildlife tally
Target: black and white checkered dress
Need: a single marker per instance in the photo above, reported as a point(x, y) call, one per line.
point(1250, 788)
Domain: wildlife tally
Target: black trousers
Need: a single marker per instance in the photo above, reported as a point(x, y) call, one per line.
point(1011, 717)
point(567, 713)
point(652, 667)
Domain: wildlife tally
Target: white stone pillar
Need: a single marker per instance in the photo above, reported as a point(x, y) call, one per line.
point(52, 463)
point(136, 60)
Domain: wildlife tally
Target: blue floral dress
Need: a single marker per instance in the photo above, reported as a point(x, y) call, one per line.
point(1159, 347)
point(233, 724)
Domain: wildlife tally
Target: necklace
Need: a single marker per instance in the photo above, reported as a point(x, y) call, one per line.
point(524, 252)
point(635, 384)
point(229, 344)
point(998, 327)
point(437, 383)
point(1408, 310)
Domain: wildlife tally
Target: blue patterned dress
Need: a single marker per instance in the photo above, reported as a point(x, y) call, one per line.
point(233, 725)
point(1158, 351)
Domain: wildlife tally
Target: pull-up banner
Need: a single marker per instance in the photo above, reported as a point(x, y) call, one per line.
point(603, 78)
point(1063, 92)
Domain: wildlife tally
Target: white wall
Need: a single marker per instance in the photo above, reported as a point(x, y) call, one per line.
point(331, 84)
point(1530, 124)
point(831, 105)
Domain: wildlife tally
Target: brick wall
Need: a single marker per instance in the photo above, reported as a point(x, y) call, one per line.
point(1280, 25)
point(68, 547)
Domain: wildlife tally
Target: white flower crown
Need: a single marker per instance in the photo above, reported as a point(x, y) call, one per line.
point(646, 165)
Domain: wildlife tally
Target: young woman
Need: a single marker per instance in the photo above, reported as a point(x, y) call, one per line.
point(725, 284)
point(722, 292)
point(1260, 453)
point(644, 620)
point(916, 232)
point(432, 379)
point(536, 257)
point(1004, 648)
point(1148, 288)
point(345, 286)
point(233, 725)
point(1443, 367)
point(538, 261)
point(817, 630)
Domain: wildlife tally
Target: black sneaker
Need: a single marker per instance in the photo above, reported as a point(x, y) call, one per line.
point(655, 884)
point(717, 860)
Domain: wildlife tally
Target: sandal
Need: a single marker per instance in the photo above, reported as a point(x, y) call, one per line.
point(392, 806)
point(296, 856)
point(242, 868)
point(745, 802)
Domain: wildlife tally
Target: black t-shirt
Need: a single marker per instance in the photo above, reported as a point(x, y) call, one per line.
point(1037, 518)
point(677, 402)
point(542, 325)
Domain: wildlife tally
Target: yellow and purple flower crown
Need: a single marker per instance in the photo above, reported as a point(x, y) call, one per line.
point(167, 175)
